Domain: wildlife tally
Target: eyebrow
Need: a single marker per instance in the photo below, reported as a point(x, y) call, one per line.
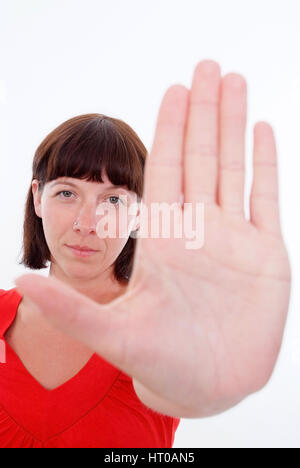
point(62, 182)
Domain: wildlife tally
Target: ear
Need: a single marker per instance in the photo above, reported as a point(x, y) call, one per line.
point(37, 195)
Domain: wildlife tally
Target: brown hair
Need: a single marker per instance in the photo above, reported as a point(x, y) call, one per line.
point(81, 148)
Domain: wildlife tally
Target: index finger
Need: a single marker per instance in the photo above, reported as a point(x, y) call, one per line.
point(164, 164)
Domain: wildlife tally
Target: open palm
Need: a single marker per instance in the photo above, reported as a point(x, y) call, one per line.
point(198, 330)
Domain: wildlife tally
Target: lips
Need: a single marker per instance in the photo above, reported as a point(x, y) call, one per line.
point(82, 248)
point(82, 253)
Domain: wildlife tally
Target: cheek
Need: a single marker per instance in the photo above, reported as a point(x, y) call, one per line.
point(55, 221)
point(117, 222)
point(113, 248)
point(123, 223)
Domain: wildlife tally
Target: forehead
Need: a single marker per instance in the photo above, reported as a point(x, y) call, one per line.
point(73, 182)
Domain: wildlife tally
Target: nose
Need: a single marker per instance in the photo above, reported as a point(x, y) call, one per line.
point(86, 221)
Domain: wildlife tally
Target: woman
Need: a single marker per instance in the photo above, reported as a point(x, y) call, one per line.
point(54, 391)
point(198, 330)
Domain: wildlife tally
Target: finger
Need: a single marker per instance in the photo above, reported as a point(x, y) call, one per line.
point(264, 203)
point(163, 170)
point(233, 116)
point(78, 316)
point(201, 141)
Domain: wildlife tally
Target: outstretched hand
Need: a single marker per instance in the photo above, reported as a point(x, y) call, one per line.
point(198, 330)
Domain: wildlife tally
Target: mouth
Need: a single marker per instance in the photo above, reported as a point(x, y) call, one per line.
point(82, 252)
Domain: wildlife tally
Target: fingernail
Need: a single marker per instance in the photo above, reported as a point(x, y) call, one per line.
point(209, 67)
point(236, 82)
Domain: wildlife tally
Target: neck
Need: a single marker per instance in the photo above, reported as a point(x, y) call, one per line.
point(102, 289)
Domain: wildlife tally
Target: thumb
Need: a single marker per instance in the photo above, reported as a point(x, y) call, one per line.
point(100, 327)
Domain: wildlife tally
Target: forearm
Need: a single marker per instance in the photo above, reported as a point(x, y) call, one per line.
point(190, 410)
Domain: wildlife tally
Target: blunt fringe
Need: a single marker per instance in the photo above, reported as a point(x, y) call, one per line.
point(81, 148)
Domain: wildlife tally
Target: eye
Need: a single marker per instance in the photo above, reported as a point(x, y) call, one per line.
point(115, 198)
point(64, 191)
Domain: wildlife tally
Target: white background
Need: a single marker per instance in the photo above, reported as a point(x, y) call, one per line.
point(61, 58)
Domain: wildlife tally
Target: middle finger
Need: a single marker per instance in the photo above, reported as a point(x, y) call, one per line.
point(201, 140)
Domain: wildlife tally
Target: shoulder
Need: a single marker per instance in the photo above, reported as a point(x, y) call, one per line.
point(8, 297)
point(3, 294)
point(9, 300)
point(8, 292)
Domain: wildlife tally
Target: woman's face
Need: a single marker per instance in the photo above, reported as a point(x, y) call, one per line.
point(61, 204)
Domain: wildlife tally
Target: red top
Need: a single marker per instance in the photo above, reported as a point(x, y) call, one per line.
point(96, 408)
